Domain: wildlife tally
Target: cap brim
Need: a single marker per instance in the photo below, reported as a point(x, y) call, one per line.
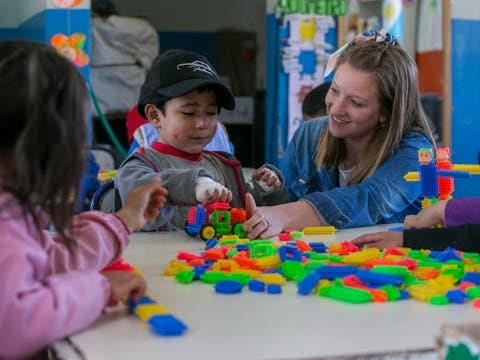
point(225, 97)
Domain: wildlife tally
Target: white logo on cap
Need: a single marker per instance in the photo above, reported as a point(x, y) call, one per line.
point(198, 66)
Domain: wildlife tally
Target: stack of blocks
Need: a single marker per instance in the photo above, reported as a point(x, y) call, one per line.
point(340, 271)
point(157, 316)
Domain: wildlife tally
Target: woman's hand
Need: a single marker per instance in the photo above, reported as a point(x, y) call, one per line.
point(381, 240)
point(262, 222)
point(428, 217)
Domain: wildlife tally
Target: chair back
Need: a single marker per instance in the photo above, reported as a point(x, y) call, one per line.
point(104, 157)
point(106, 198)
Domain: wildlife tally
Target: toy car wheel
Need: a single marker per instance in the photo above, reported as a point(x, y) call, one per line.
point(207, 232)
point(238, 230)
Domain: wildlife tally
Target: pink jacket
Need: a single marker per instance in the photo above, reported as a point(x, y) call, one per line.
point(46, 293)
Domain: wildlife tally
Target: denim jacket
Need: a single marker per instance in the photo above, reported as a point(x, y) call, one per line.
point(383, 198)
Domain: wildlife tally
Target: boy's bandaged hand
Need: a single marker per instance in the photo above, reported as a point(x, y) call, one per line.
point(267, 179)
point(207, 190)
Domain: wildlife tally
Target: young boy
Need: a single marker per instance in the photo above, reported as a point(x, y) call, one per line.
point(181, 97)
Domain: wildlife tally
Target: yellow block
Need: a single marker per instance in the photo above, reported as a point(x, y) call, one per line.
point(146, 311)
point(412, 176)
point(269, 262)
point(423, 292)
point(319, 230)
point(471, 168)
point(361, 257)
point(272, 279)
point(253, 273)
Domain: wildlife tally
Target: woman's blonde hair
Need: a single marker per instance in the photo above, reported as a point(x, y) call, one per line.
point(395, 75)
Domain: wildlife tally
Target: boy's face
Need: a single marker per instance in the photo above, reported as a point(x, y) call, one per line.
point(189, 122)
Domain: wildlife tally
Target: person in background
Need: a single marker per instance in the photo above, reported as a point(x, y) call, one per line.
point(181, 97)
point(122, 51)
point(346, 170)
point(51, 284)
point(460, 221)
point(313, 105)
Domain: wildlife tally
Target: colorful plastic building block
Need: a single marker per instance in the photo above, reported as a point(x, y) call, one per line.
point(445, 183)
point(340, 272)
point(319, 230)
point(119, 265)
point(157, 317)
point(215, 219)
point(228, 287)
point(274, 289)
point(436, 177)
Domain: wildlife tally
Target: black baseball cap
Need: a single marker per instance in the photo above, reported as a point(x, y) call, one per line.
point(177, 72)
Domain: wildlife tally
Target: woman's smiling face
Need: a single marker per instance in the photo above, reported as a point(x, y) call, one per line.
point(353, 106)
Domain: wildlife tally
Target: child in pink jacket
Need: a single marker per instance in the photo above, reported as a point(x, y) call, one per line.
point(51, 285)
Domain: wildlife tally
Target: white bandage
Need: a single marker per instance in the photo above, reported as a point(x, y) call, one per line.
point(205, 187)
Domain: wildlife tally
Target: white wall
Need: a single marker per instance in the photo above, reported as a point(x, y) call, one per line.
point(8, 14)
point(204, 16)
point(13, 13)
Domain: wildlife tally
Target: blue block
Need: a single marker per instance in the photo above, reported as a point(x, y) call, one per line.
point(199, 271)
point(456, 296)
point(445, 255)
point(274, 289)
point(242, 247)
point(228, 287)
point(256, 286)
point(333, 272)
point(132, 305)
point(397, 228)
point(472, 277)
point(290, 253)
point(167, 325)
point(404, 295)
point(308, 283)
point(211, 243)
point(375, 279)
point(318, 247)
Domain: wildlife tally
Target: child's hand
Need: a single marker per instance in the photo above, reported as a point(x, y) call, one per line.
point(266, 179)
point(381, 240)
point(207, 190)
point(125, 284)
point(428, 217)
point(143, 204)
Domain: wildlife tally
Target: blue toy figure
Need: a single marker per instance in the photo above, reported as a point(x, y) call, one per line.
point(429, 176)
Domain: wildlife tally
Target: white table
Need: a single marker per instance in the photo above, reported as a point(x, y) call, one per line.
point(259, 326)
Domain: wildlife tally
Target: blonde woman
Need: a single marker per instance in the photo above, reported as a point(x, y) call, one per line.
point(346, 169)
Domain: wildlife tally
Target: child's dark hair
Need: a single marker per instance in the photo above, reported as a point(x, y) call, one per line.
point(313, 104)
point(161, 101)
point(42, 131)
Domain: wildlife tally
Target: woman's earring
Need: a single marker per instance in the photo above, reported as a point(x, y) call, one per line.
point(383, 125)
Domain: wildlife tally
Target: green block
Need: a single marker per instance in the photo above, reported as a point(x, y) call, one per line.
point(212, 277)
point(346, 294)
point(185, 276)
point(439, 300)
point(292, 269)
